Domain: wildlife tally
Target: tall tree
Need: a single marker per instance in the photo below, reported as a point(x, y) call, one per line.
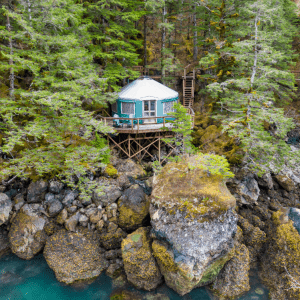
point(46, 130)
point(251, 98)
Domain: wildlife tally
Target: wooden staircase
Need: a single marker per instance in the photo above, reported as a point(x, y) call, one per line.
point(188, 88)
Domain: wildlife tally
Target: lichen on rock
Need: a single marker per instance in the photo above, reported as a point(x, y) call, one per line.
point(74, 256)
point(133, 208)
point(139, 264)
point(27, 235)
point(194, 223)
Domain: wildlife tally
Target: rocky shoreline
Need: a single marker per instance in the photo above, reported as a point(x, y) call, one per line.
point(191, 231)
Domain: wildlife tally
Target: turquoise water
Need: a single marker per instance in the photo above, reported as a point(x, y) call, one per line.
point(34, 280)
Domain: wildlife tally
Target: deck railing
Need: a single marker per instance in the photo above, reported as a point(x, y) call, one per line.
point(133, 124)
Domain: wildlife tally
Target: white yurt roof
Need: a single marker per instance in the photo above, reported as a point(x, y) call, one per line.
point(146, 88)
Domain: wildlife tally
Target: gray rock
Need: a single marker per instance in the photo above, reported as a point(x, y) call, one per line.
point(107, 192)
point(5, 208)
point(294, 215)
point(49, 197)
point(2, 188)
point(72, 209)
point(248, 190)
point(266, 181)
point(55, 187)
point(18, 201)
point(83, 220)
point(193, 224)
point(70, 196)
point(133, 208)
point(27, 235)
point(36, 191)
point(54, 208)
point(112, 254)
point(71, 223)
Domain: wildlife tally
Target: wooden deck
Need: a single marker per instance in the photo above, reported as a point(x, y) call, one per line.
point(143, 125)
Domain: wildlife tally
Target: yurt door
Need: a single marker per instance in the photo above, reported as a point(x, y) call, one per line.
point(149, 111)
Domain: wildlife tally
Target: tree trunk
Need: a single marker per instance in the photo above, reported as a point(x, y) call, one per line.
point(163, 43)
point(145, 41)
point(195, 52)
point(11, 63)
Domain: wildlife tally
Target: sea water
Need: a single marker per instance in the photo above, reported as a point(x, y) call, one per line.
point(34, 280)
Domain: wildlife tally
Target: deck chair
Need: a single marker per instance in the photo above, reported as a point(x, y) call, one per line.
point(116, 122)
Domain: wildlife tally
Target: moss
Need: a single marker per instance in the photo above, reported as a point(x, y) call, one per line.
point(282, 255)
point(111, 171)
point(194, 192)
point(129, 218)
point(139, 263)
point(164, 256)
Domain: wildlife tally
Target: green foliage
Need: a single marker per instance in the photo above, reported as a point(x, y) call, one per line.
point(182, 126)
point(47, 132)
point(102, 144)
point(213, 164)
point(251, 97)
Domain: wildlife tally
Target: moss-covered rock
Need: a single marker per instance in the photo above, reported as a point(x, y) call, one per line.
point(280, 264)
point(139, 264)
point(133, 208)
point(233, 280)
point(121, 294)
point(74, 256)
point(193, 220)
point(27, 234)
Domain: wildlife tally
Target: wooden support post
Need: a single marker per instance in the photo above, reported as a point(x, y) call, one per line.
point(164, 120)
point(159, 149)
point(129, 145)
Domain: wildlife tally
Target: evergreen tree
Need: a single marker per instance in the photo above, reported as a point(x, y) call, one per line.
point(115, 37)
point(251, 99)
point(46, 130)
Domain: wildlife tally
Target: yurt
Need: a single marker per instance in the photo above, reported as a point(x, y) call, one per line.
point(145, 98)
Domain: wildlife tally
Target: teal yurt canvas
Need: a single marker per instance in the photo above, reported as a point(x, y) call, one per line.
point(145, 98)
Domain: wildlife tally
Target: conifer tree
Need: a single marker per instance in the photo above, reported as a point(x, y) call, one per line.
point(46, 130)
point(251, 98)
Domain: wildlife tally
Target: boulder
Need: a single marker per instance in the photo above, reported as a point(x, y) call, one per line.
point(18, 201)
point(139, 264)
point(266, 181)
point(4, 243)
point(133, 208)
point(233, 280)
point(280, 263)
point(248, 190)
point(193, 220)
point(55, 187)
point(112, 236)
point(107, 192)
point(74, 256)
point(286, 182)
point(54, 208)
point(27, 236)
point(69, 197)
point(5, 208)
point(36, 191)
point(71, 223)
point(129, 168)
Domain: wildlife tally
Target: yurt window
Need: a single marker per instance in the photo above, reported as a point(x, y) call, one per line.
point(168, 107)
point(127, 108)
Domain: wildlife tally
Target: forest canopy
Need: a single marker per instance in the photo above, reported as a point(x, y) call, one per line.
point(63, 61)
